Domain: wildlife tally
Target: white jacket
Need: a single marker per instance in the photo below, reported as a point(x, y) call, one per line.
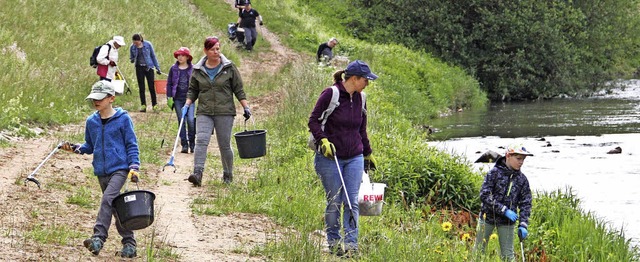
point(104, 60)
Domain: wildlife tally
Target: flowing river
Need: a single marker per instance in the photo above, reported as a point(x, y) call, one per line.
point(570, 139)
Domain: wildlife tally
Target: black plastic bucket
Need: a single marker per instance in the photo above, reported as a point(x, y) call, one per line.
point(252, 143)
point(134, 209)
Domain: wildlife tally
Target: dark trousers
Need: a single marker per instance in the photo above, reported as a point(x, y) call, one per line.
point(143, 72)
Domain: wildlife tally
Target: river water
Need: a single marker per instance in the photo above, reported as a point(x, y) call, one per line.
point(577, 135)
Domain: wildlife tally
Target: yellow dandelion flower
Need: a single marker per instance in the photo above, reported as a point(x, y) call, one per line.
point(466, 237)
point(446, 226)
point(493, 236)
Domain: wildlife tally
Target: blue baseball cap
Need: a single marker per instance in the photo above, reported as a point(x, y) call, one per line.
point(359, 68)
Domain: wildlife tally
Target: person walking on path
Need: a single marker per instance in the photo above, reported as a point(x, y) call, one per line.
point(325, 51)
point(141, 53)
point(107, 58)
point(110, 137)
point(214, 82)
point(177, 88)
point(239, 4)
point(344, 139)
point(247, 21)
point(505, 190)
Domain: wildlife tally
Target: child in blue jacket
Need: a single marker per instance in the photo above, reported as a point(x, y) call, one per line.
point(109, 136)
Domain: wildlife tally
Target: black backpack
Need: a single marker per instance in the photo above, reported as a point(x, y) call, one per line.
point(93, 60)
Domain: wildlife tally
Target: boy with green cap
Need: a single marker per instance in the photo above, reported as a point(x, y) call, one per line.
point(109, 136)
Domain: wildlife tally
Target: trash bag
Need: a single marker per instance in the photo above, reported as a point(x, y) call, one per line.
point(231, 31)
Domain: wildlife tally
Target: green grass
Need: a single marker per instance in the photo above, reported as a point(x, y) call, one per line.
point(54, 234)
point(83, 197)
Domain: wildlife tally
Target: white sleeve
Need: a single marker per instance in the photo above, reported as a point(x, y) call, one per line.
point(102, 57)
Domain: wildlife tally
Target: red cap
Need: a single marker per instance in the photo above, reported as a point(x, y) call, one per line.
point(183, 51)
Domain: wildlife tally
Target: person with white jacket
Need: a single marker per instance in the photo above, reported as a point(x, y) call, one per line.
point(108, 58)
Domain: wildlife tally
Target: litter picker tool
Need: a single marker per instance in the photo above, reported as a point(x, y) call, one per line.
point(521, 237)
point(31, 176)
point(128, 91)
point(175, 144)
point(165, 131)
point(352, 220)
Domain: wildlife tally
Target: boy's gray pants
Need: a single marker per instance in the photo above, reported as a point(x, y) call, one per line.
point(111, 186)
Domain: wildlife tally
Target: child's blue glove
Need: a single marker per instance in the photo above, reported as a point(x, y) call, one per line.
point(522, 233)
point(511, 215)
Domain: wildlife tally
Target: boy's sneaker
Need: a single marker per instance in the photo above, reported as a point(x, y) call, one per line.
point(128, 251)
point(94, 245)
point(336, 250)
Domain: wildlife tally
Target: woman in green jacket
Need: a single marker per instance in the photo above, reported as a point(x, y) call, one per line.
point(214, 82)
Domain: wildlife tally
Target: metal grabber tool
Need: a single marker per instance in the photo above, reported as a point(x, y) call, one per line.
point(31, 176)
point(175, 144)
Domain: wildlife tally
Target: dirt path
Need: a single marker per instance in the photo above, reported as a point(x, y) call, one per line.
point(27, 212)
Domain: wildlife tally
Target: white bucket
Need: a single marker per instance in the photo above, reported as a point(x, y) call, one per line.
point(371, 198)
point(118, 86)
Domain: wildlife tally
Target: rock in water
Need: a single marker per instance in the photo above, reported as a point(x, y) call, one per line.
point(616, 150)
point(488, 157)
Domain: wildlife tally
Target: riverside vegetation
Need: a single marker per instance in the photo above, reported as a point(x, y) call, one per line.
point(431, 195)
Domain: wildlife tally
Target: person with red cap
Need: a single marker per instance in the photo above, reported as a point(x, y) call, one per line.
point(177, 88)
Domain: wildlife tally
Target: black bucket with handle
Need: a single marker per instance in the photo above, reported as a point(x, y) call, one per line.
point(251, 143)
point(134, 209)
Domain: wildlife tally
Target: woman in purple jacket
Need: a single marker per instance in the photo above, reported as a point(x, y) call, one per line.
point(177, 87)
point(342, 143)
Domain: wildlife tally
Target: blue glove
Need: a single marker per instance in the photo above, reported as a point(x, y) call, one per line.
point(185, 108)
point(511, 215)
point(522, 233)
point(247, 113)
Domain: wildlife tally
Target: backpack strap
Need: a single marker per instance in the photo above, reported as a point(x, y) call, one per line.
point(363, 96)
point(108, 50)
point(335, 94)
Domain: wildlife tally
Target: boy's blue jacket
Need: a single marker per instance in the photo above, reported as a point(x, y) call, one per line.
point(114, 145)
point(502, 189)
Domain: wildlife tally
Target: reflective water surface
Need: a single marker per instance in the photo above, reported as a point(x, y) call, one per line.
point(577, 134)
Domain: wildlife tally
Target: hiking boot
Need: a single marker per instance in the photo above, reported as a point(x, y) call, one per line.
point(128, 251)
point(336, 250)
point(192, 146)
point(227, 178)
point(94, 245)
point(351, 253)
point(196, 177)
point(143, 108)
point(185, 147)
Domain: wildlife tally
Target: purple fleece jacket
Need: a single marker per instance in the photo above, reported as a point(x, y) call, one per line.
point(346, 127)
